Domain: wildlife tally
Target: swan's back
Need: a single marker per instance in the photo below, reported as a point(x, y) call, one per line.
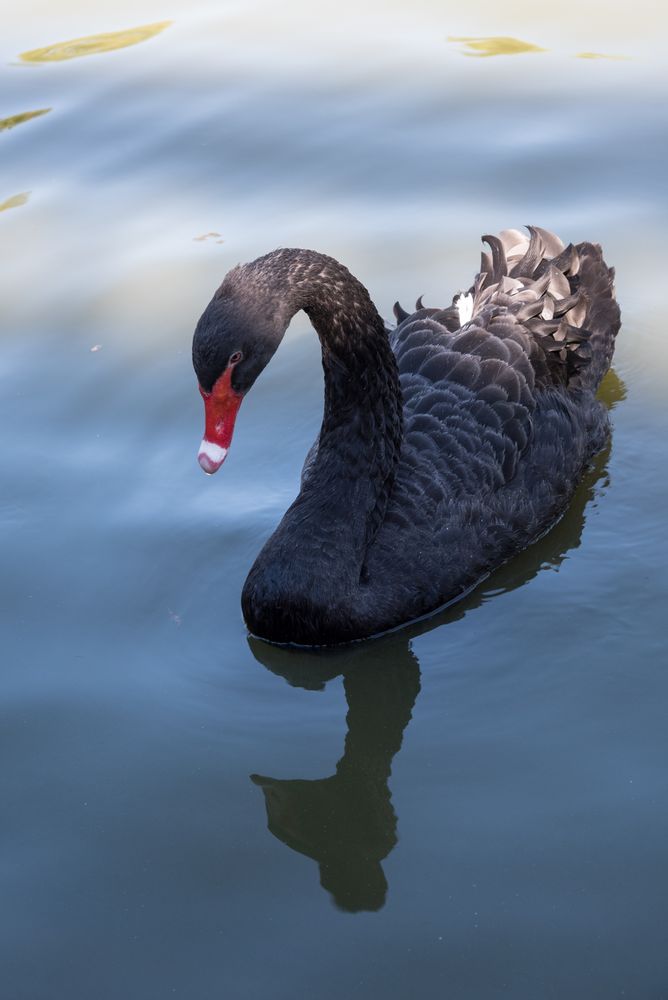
point(500, 415)
point(543, 319)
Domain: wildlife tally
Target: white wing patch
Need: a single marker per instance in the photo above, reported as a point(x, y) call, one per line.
point(465, 307)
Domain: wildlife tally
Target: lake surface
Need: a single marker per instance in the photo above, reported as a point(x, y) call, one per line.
point(476, 808)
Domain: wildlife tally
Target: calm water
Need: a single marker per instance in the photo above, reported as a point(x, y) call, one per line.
point(477, 809)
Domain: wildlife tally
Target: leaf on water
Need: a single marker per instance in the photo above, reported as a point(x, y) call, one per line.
point(496, 45)
point(15, 201)
point(598, 55)
point(91, 45)
point(7, 123)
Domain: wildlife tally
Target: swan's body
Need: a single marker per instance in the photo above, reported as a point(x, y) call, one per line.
point(444, 448)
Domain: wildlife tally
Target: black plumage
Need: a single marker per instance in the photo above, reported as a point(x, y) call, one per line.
point(444, 448)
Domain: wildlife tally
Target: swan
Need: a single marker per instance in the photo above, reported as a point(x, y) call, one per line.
point(447, 444)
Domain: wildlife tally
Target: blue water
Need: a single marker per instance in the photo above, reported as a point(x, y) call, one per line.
point(474, 809)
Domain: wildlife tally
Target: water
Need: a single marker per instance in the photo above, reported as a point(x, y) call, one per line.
point(174, 818)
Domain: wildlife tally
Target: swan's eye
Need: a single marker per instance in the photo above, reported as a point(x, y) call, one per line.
point(235, 358)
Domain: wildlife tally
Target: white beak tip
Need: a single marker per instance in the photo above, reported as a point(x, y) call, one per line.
point(210, 456)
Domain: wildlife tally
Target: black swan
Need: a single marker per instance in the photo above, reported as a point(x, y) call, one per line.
point(447, 444)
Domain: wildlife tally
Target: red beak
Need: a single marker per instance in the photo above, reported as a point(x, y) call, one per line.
point(221, 406)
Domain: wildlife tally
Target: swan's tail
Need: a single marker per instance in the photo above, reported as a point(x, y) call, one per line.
point(602, 319)
point(563, 296)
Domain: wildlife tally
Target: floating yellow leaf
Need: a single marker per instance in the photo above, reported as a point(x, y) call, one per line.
point(7, 123)
point(93, 44)
point(494, 46)
point(15, 201)
point(597, 55)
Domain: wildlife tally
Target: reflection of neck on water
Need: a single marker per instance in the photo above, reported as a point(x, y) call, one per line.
point(346, 822)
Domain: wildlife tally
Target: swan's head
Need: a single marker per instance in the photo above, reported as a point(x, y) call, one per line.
point(234, 340)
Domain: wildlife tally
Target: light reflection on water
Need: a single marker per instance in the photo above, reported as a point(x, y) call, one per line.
point(515, 843)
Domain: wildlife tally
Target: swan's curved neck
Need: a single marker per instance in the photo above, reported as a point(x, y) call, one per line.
point(323, 538)
point(362, 425)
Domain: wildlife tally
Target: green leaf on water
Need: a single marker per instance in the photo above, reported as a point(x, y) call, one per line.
point(14, 201)
point(496, 45)
point(91, 45)
point(7, 123)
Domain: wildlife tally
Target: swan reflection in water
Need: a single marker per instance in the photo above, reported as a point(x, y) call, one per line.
point(346, 822)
